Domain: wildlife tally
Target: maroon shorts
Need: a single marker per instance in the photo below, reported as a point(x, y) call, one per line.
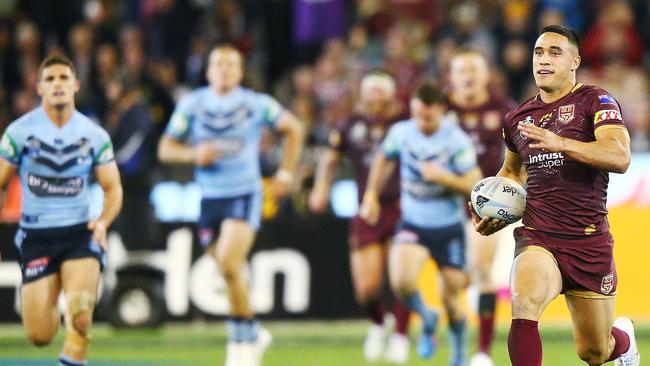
point(586, 263)
point(363, 234)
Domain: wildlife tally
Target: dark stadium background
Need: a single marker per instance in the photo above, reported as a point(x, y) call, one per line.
point(309, 55)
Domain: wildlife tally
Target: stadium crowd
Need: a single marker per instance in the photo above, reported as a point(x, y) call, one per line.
point(136, 59)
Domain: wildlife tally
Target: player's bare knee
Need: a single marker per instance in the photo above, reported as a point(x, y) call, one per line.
point(526, 305)
point(40, 338)
point(80, 309)
point(230, 270)
point(366, 294)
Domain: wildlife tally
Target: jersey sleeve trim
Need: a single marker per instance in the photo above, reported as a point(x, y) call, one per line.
point(105, 154)
point(9, 149)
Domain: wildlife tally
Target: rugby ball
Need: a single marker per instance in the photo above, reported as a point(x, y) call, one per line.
point(499, 198)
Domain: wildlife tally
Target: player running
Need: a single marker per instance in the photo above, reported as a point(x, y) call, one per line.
point(437, 168)
point(54, 149)
point(479, 112)
point(217, 128)
point(359, 137)
point(568, 138)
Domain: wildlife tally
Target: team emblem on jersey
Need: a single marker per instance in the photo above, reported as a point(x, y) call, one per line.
point(528, 119)
point(565, 113)
point(376, 133)
point(452, 116)
point(492, 120)
point(358, 132)
point(607, 284)
point(470, 120)
point(606, 115)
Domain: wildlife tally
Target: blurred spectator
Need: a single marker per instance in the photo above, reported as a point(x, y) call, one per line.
point(81, 44)
point(130, 127)
point(164, 73)
point(517, 67)
point(614, 30)
point(314, 22)
point(195, 61)
point(165, 38)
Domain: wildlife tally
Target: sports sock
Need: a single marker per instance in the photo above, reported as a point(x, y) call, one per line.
point(375, 311)
point(524, 343)
point(415, 303)
point(67, 361)
point(457, 342)
point(402, 316)
point(621, 343)
point(486, 309)
point(242, 330)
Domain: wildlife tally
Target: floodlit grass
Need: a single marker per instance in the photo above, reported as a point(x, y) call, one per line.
point(336, 343)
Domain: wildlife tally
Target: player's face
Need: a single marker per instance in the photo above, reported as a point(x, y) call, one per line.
point(57, 86)
point(555, 60)
point(427, 116)
point(469, 74)
point(225, 70)
point(375, 98)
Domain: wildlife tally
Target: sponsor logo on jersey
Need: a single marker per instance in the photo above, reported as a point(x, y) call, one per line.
point(229, 146)
point(545, 119)
point(565, 113)
point(606, 99)
point(607, 115)
point(36, 266)
point(547, 160)
point(54, 187)
point(607, 284)
point(528, 119)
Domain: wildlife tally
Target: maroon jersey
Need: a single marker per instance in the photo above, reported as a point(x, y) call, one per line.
point(358, 138)
point(564, 196)
point(483, 124)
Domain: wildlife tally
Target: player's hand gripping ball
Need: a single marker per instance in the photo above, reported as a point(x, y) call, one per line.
point(499, 198)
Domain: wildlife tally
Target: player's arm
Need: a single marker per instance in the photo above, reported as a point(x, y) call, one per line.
point(108, 177)
point(513, 168)
point(380, 171)
point(610, 152)
point(294, 139)
point(172, 151)
point(461, 183)
point(327, 166)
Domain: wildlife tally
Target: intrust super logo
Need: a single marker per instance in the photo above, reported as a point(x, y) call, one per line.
point(547, 160)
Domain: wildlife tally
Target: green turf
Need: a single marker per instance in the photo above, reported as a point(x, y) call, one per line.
point(295, 344)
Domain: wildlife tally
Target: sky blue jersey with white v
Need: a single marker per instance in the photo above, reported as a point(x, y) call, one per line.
point(425, 204)
point(54, 165)
point(233, 122)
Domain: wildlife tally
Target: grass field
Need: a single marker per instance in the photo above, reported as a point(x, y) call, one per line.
point(295, 344)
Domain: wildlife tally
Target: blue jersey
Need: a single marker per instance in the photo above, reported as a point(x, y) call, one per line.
point(54, 165)
point(425, 204)
point(233, 122)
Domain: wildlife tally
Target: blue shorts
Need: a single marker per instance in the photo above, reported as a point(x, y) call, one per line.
point(42, 251)
point(446, 245)
point(215, 210)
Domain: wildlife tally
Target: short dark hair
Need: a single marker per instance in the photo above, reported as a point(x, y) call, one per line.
point(224, 45)
point(56, 60)
point(428, 92)
point(563, 30)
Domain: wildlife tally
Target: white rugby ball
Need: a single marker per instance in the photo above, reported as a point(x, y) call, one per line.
point(499, 198)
